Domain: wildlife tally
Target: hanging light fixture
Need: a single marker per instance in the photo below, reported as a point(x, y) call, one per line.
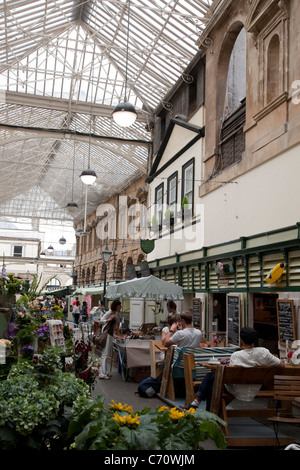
point(72, 206)
point(124, 113)
point(89, 176)
point(50, 249)
point(62, 240)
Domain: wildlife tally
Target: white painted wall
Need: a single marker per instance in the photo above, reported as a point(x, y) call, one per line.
point(264, 199)
point(186, 240)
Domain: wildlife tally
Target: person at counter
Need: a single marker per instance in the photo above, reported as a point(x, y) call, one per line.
point(248, 356)
point(188, 336)
point(172, 308)
point(109, 319)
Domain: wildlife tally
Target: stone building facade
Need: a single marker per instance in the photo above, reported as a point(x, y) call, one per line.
point(109, 226)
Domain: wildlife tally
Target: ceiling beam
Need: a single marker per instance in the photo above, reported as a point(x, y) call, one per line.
point(37, 132)
point(60, 104)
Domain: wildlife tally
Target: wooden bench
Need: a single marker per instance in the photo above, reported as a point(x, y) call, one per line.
point(174, 368)
point(241, 375)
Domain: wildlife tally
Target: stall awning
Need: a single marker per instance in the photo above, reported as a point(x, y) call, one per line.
point(92, 290)
point(150, 287)
point(67, 290)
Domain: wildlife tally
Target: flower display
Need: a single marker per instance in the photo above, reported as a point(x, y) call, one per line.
point(119, 428)
point(43, 333)
point(175, 414)
point(120, 407)
point(127, 420)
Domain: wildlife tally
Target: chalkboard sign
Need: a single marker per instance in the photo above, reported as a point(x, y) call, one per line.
point(197, 312)
point(286, 320)
point(233, 320)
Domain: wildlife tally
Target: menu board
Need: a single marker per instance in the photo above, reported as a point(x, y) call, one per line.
point(197, 312)
point(286, 320)
point(233, 320)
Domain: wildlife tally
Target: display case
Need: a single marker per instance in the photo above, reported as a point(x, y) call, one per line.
point(56, 333)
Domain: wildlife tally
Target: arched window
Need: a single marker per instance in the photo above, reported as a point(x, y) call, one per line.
point(233, 97)
point(236, 76)
point(53, 283)
point(119, 274)
point(93, 275)
point(273, 68)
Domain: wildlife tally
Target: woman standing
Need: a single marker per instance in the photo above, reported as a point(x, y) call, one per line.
point(84, 311)
point(109, 320)
point(76, 312)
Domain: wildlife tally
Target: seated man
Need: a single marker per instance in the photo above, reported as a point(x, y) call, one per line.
point(248, 356)
point(184, 336)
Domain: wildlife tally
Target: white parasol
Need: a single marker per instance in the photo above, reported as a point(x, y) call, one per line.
point(150, 287)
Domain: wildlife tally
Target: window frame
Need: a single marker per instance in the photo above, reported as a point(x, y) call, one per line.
point(172, 205)
point(188, 164)
point(159, 214)
point(14, 253)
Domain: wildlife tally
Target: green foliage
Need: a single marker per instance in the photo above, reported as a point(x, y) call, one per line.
point(118, 428)
point(11, 285)
point(35, 290)
point(169, 214)
point(184, 202)
point(154, 220)
point(35, 403)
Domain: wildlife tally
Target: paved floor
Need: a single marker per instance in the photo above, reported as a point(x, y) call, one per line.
point(123, 392)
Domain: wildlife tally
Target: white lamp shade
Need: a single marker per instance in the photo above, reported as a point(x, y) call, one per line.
point(124, 114)
point(88, 176)
point(50, 249)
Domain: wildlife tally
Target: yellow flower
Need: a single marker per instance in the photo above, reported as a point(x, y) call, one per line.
point(127, 419)
point(191, 411)
point(175, 414)
point(133, 419)
point(120, 407)
point(162, 408)
point(119, 419)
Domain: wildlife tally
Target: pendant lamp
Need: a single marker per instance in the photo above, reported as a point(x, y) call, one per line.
point(124, 113)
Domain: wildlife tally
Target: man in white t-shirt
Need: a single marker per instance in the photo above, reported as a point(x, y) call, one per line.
point(249, 356)
point(188, 336)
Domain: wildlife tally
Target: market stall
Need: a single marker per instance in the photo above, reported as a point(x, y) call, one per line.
point(144, 294)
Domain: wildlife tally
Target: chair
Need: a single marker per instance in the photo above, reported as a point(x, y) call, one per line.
point(156, 358)
point(286, 389)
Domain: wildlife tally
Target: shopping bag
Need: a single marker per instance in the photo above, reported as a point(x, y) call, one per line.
point(100, 338)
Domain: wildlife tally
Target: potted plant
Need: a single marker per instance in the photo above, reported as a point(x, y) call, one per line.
point(185, 209)
point(169, 218)
point(154, 224)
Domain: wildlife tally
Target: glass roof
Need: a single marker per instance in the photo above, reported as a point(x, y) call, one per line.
point(62, 70)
